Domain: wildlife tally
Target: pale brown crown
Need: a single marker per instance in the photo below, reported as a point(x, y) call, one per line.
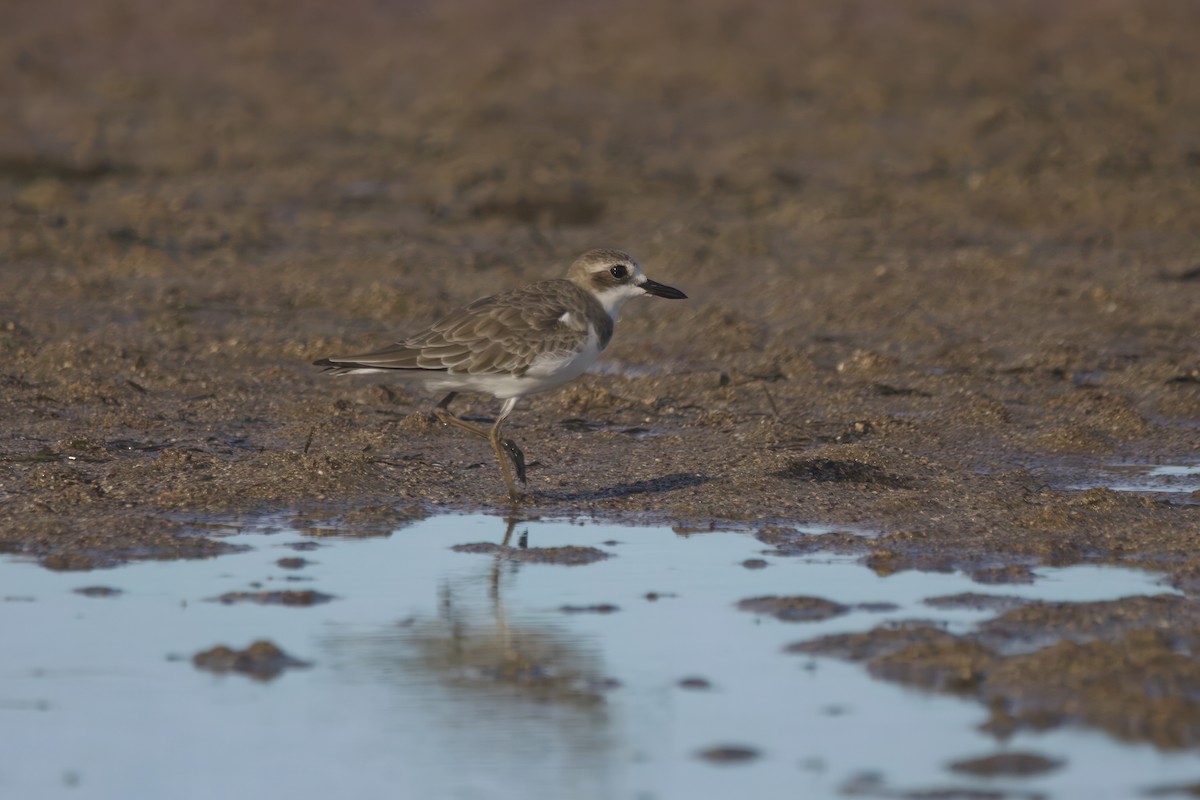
point(594, 269)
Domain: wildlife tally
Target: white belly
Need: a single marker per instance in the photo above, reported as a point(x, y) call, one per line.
point(554, 369)
point(548, 371)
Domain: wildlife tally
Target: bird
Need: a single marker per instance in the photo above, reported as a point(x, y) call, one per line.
point(513, 344)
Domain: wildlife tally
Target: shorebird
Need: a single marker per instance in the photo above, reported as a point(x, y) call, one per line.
point(515, 343)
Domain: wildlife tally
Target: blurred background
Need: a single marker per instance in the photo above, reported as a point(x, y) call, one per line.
point(203, 196)
point(942, 261)
point(792, 156)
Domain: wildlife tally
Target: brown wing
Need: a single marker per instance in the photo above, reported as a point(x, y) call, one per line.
point(503, 333)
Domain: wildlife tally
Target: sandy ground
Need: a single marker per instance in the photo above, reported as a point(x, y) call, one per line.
point(942, 260)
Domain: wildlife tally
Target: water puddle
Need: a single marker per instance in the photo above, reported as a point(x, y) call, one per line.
point(433, 672)
point(1172, 480)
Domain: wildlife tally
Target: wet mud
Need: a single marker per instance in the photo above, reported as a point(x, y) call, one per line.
point(941, 260)
point(600, 608)
point(729, 754)
point(570, 555)
point(98, 591)
point(1128, 666)
point(873, 785)
point(290, 597)
point(262, 661)
point(801, 608)
point(1015, 764)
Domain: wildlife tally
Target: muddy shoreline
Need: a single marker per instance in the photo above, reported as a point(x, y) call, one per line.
point(941, 261)
point(900, 325)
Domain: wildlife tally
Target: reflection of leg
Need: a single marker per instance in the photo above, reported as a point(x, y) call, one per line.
point(511, 525)
point(511, 522)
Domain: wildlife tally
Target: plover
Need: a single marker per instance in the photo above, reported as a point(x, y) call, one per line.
point(515, 343)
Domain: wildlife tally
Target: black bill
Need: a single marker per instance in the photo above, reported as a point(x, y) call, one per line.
point(659, 290)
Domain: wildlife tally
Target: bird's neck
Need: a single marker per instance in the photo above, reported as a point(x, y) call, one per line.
point(600, 319)
point(612, 299)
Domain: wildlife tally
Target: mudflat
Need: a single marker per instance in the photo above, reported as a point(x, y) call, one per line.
point(942, 261)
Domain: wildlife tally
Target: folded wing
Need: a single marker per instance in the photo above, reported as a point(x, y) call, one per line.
point(503, 334)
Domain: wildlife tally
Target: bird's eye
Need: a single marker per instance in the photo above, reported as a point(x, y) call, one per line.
point(619, 272)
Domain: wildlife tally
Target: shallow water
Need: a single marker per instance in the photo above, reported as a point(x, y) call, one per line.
point(1172, 479)
point(446, 674)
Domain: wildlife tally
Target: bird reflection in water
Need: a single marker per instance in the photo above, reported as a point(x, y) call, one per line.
point(472, 645)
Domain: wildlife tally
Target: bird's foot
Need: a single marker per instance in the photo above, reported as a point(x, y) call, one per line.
point(518, 458)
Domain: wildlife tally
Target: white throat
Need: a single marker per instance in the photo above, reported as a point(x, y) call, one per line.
point(614, 297)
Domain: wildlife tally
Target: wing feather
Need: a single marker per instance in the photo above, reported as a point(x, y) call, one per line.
point(503, 333)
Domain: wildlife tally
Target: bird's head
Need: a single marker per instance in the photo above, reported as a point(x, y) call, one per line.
point(614, 277)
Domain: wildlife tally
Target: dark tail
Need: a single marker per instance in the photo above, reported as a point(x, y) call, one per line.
point(342, 367)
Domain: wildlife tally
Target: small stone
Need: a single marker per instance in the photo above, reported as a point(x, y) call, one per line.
point(876, 607)
point(601, 608)
point(729, 754)
point(98, 591)
point(1016, 765)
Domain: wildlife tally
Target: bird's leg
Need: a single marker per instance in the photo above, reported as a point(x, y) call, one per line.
point(442, 412)
point(518, 458)
point(514, 452)
point(505, 449)
point(444, 403)
point(502, 456)
point(443, 407)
